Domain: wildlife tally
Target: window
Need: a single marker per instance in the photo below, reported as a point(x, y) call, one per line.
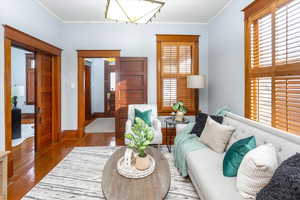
point(177, 58)
point(112, 82)
point(30, 78)
point(273, 63)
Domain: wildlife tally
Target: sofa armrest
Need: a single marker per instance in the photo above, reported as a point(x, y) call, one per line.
point(157, 124)
point(179, 128)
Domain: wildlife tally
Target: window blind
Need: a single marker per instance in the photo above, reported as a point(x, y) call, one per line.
point(273, 64)
point(177, 59)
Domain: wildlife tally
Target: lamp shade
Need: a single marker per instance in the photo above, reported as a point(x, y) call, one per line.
point(196, 81)
point(18, 90)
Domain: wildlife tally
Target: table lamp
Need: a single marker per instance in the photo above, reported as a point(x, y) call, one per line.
point(196, 82)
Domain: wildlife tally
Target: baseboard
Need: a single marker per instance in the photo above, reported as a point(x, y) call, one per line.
point(70, 135)
point(87, 122)
point(101, 115)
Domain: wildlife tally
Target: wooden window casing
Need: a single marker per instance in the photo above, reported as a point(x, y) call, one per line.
point(272, 65)
point(177, 58)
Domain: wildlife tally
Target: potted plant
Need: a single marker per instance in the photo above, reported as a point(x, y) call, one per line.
point(180, 110)
point(140, 139)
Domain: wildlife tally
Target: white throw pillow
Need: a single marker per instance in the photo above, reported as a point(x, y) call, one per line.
point(216, 135)
point(256, 170)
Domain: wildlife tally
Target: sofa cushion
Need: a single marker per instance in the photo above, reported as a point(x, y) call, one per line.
point(256, 170)
point(216, 135)
point(205, 169)
point(235, 155)
point(201, 121)
point(143, 115)
point(285, 182)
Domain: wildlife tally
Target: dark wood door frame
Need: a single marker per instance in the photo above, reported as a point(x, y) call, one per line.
point(81, 55)
point(109, 96)
point(16, 38)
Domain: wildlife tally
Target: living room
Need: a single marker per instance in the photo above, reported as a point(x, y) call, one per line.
point(224, 65)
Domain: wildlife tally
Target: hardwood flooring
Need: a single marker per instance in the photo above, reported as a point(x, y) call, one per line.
point(30, 167)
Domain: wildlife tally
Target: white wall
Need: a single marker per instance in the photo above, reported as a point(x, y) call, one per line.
point(226, 58)
point(28, 16)
point(133, 40)
point(97, 84)
point(19, 77)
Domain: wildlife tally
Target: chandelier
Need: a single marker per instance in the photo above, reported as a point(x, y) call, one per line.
point(132, 11)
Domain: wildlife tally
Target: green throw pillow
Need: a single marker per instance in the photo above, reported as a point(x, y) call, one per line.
point(145, 116)
point(235, 155)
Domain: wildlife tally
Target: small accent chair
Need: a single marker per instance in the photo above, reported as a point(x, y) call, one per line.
point(156, 124)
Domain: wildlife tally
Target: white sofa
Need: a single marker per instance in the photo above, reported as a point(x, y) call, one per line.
point(205, 165)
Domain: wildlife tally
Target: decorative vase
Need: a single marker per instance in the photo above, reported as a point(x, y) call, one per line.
point(142, 163)
point(179, 116)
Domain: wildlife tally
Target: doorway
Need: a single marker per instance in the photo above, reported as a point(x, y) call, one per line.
point(100, 88)
point(90, 61)
point(23, 96)
point(41, 99)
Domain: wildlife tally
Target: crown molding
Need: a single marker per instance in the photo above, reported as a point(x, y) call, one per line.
point(220, 12)
point(112, 22)
point(48, 10)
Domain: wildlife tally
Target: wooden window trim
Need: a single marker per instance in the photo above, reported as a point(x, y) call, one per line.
point(277, 71)
point(161, 38)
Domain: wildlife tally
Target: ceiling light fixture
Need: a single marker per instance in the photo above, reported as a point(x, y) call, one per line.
point(133, 11)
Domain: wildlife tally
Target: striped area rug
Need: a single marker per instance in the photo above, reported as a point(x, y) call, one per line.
point(78, 177)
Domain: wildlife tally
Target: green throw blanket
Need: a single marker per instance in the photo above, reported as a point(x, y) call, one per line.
point(184, 143)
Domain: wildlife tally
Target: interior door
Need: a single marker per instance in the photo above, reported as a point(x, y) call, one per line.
point(43, 119)
point(131, 88)
point(109, 87)
point(88, 98)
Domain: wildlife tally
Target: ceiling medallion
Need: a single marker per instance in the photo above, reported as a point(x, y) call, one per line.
point(133, 11)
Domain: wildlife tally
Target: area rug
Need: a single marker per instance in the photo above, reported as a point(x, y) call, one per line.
point(27, 131)
point(101, 125)
point(78, 177)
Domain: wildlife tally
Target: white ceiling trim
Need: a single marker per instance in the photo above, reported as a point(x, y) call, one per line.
point(220, 12)
point(112, 22)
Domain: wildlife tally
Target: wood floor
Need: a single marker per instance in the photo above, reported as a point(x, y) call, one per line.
point(30, 168)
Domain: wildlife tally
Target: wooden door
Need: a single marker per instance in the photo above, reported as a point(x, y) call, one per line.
point(131, 88)
point(30, 79)
point(88, 98)
point(109, 87)
point(43, 120)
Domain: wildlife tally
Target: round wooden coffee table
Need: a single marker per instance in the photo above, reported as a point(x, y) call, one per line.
point(152, 187)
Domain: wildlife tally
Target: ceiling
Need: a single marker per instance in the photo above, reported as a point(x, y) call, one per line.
point(174, 11)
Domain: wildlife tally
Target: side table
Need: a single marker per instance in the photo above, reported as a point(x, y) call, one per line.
point(171, 122)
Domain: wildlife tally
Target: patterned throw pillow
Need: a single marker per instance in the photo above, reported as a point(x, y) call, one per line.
point(285, 184)
point(256, 170)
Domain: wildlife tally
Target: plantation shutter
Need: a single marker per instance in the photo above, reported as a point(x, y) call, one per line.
point(273, 64)
point(177, 60)
point(185, 94)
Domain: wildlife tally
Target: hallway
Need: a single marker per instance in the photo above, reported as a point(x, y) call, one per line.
point(101, 125)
